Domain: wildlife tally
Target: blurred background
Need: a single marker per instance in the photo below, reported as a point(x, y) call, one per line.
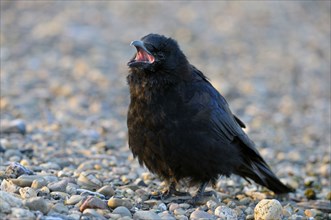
point(63, 68)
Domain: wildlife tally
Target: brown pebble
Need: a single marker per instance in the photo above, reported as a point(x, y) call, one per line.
point(92, 203)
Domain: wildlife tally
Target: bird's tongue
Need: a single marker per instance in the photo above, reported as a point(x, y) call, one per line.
point(143, 56)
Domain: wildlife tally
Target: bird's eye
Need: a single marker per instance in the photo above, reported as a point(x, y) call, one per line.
point(160, 55)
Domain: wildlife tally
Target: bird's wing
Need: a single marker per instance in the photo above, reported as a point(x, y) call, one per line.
point(208, 103)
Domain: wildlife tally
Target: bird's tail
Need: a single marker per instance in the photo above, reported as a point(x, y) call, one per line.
point(260, 172)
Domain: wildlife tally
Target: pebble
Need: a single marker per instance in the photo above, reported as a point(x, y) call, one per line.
point(15, 169)
point(198, 214)
point(9, 186)
point(166, 216)
point(93, 214)
point(20, 213)
point(38, 183)
point(59, 186)
point(74, 199)
point(107, 191)
point(59, 208)
point(310, 193)
point(36, 204)
point(27, 192)
point(85, 192)
point(59, 195)
point(310, 212)
point(268, 209)
point(146, 215)
point(123, 211)
point(92, 203)
point(89, 181)
point(116, 202)
point(25, 180)
point(225, 212)
point(9, 200)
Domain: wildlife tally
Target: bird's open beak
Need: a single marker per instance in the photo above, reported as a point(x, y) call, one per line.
point(143, 55)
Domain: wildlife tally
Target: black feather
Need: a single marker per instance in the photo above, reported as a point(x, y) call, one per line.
point(180, 127)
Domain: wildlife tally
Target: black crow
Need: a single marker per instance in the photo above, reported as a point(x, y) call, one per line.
point(181, 128)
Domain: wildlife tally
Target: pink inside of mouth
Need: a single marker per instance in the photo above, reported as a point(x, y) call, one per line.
point(143, 56)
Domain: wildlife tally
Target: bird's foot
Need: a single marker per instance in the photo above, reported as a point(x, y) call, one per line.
point(170, 192)
point(201, 198)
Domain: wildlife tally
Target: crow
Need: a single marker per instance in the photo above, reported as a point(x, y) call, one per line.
point(181, 128)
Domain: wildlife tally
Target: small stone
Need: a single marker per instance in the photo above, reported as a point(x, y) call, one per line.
point(85, 192)
point(249, 211)
point(310, 212)
point(59, 195)
point(59, 186)
point(211, 204)
point(9, 186)
point(59, 208)
point(179, 211)
point(146, 215)
point(123, 211)
point(310, 193)
point(107, 191)
point(25, 180)
point(44, 191)
point(74, 199)
point(38, 183)
point(116, 202)
point(9, 200)
point(162, 207)
point(93, 214)
point(27, 192)
point(88, 181)
point(92, 203)
point(256, 195)
point(15, 170)
point(20, 213)
point(287, 210)
point(166, 216)
point(198, 214)
point(15, 126)
point(173, 206)
point(328, 196)
point(36, 204)
point(50, 166)
point(268, 209)
point(225, 212)
point(71, 189)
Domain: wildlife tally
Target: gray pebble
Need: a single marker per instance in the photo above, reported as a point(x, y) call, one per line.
point(123, 211)
point(225, 212)
point(9, 200)
point(179, 211)
point(74, 199)
point(59, 186)
point(20, 213)
point(146, 215)
point(59, 195)
point(85, 192)
point(93, 203)
point(162, 207)
point(94, 214)
point(50, 166)
point(198, 214)
point(25, 180)
point(88, 181)
point(16, 169)
point(36, 204)
point(27, 192)
point(38, 183)
point(107, 191)
point(59, 208)
point(268, 209)
point(166, 216)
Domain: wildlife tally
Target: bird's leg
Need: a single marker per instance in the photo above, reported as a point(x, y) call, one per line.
point(172, 191)
point(198, 198)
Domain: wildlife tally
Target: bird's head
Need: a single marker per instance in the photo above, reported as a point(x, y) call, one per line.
point(155, 54)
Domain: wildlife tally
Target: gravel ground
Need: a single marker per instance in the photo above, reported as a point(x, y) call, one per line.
point(64, 98)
